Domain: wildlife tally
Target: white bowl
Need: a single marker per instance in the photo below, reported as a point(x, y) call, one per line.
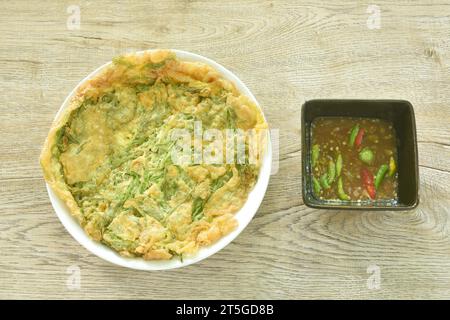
point(243, 216)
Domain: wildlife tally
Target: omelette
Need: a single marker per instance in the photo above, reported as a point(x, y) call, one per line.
point(108, 156)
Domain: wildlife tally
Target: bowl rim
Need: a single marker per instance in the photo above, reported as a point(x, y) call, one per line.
point(326, 206)
point(243, 216)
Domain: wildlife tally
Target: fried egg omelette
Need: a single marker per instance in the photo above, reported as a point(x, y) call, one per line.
point(107, 156)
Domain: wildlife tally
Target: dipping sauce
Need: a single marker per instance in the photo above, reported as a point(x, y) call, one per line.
point(354, 159)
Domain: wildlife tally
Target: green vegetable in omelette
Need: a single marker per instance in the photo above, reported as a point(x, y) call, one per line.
point(197, 209)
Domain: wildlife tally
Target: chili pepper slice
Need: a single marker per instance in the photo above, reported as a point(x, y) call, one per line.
point(359, 137)
point(367, 181)
point(380, 175)
point(392, 167)
point(324, 181)
point(315, 154)
point(316, 186)
point(353, 134)
point(340, 190)
point(339, 165)
point(331, 171)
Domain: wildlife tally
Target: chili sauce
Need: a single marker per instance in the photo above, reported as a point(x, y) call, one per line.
point(353, 159)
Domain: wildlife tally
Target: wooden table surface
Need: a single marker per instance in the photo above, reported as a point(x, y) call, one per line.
point(286, 52)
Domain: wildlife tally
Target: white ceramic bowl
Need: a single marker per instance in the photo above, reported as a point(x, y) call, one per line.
point(243, 216)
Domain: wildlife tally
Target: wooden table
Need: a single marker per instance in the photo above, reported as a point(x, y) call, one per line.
point(286, 52)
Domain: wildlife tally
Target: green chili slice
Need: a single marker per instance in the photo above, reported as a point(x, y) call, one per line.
point(316, 186)
point(340, 190)
point(338, 165)
point(315, 154)
point(380, 175)
point(353, 134)
point(331, 171)
point(324, 181)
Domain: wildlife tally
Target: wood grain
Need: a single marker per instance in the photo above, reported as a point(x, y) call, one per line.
point(286, 52)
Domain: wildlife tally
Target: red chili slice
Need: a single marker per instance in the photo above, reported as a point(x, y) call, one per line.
point(367, 181)
point(371, 191)
point(359, 137)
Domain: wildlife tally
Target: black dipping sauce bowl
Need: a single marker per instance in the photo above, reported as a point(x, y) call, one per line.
point(401, 114)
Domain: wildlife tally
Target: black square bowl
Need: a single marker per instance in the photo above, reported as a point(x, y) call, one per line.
point(401, 114)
